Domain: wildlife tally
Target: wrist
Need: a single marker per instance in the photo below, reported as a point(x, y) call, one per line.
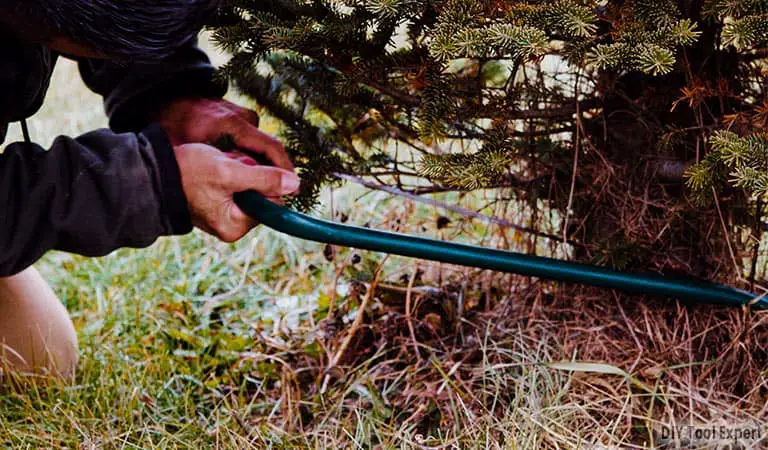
point(174, 206)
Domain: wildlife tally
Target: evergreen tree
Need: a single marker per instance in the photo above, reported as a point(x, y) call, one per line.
point(641, 121)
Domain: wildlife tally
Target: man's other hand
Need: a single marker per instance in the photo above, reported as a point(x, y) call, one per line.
point(191, 120)
point(210, 178)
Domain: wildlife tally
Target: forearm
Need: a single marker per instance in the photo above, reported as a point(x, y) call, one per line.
point(89, 195)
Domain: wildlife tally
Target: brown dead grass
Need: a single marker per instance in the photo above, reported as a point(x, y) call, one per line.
point(483, 374)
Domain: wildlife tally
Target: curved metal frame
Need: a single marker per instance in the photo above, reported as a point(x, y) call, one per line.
point(310, 228)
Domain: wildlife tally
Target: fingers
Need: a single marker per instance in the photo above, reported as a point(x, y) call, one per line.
point(248, 137)
point(242, 158)
point(210, 178)
point(271, 182)
point(206, 120)
point(248, 161)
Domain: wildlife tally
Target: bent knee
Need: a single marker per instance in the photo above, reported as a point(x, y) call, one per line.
point(40, 355)
point(36, 333)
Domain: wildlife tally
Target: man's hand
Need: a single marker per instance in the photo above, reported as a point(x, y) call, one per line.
point(192, 120)
point(210, 178)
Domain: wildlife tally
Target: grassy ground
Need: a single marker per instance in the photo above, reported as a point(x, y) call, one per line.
point(197, 344)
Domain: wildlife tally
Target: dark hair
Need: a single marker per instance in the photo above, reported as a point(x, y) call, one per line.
point(122, 29)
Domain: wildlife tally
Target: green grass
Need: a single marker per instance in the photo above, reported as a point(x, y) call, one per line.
point(197, 344)
point(147, 373)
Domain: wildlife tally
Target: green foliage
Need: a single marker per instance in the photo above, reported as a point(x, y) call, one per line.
point(296, 57)
point(497, 40)
point(567, 18)
point(649, 44)
point(743, 161)
point(662, 13)
point(735, 8)
point(746, 22)
point(747, 32)
point(436, 95)
point(467, 171)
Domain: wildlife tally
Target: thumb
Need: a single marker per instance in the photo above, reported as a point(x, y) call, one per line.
point(268, 181)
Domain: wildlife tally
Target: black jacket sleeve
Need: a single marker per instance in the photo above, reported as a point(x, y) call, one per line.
point(132, 91)
point(89, 195)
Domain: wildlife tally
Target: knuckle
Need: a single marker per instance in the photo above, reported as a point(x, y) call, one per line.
point(233, 228)
point(240, 127)
point(229, 235)
point(223, 171)
point(229, 238)
point(224, 113)
point(217, 225)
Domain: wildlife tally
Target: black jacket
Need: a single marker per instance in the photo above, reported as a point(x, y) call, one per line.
point(106, 189)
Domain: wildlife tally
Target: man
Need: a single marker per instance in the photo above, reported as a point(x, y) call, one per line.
point(150, 175)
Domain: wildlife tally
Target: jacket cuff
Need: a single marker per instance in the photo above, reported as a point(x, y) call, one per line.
point(134, 113)
point(174, 201)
